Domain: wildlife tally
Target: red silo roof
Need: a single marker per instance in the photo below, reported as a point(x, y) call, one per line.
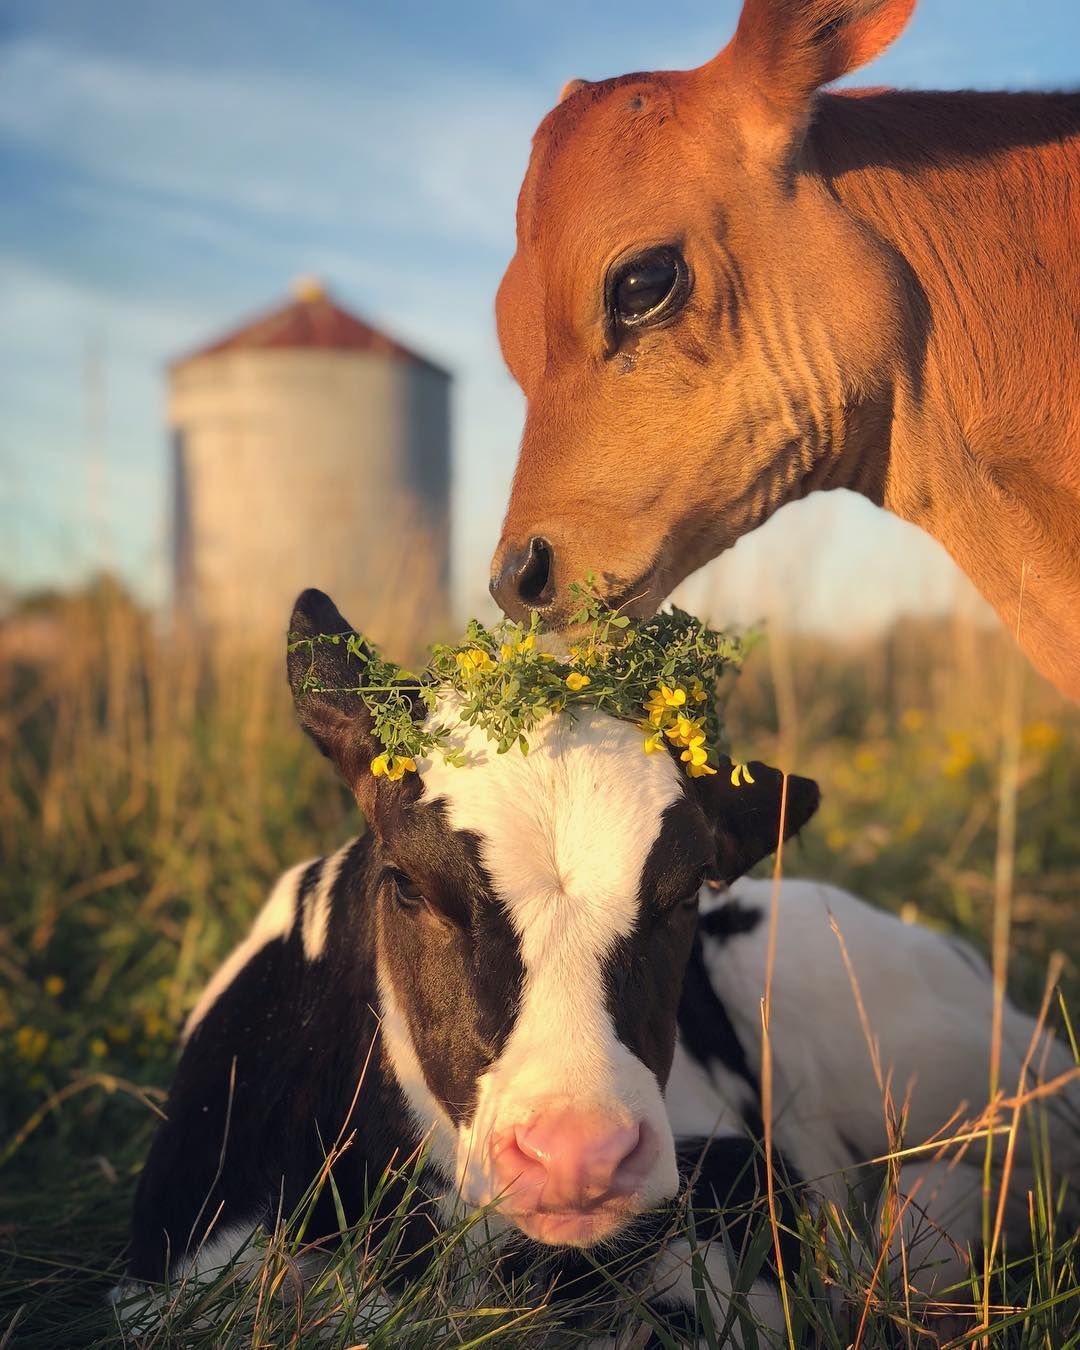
point(312, 321)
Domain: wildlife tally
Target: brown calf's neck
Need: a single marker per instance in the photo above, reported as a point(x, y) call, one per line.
point(976, 194)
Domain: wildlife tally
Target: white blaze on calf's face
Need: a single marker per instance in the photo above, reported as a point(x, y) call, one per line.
point(564, 834)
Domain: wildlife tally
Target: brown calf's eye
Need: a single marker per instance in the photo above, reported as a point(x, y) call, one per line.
point(649, 288)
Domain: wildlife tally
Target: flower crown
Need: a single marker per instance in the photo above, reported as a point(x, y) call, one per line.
point(660, 673)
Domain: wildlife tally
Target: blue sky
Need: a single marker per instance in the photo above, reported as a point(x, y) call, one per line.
point(167, 170)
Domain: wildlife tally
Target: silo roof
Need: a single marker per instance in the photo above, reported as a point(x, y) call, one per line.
point(312, 320)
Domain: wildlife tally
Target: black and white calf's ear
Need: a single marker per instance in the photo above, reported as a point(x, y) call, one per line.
point(745, 803)
point(323, 677)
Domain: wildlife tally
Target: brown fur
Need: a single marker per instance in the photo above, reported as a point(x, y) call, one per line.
point(886, 297)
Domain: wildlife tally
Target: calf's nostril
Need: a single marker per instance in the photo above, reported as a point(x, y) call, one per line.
point(532, 578)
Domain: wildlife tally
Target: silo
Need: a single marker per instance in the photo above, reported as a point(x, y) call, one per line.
point(309, 449)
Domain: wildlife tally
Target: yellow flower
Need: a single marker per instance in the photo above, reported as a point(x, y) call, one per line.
point(154, 1025)
point(474, 661)
point(698, 691)
point(741, 771)
point(98, 1048)
point(683, 730)
point(31, 1044)
point(960, 758)
point(699, 770)
point(663, 703)
point(392, 767)
point(668, 696)
point(913, 719)
point(509, 649)
point(1041, 736)
point(575, 680)
point(695, 752)
point(54, 985)
point(654, 738)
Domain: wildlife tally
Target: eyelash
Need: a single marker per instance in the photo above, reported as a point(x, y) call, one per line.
point(406, 891)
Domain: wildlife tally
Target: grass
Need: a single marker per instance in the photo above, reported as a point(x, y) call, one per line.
point(148, 799)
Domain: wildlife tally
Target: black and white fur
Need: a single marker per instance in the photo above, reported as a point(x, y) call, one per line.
point(528, 928)
point(507, 935)
point(927, 1000)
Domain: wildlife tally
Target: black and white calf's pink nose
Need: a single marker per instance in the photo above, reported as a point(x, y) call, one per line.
point(571, 1175)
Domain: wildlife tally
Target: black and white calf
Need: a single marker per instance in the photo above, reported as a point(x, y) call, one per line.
point(561, 1017)
point(927, 1002)
point(512, 936)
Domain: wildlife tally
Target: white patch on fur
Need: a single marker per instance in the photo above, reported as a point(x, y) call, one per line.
point(317, 905)
point(274, 920)
point(673, 1283)
point(703, 1102)
point(565, 832)
point(139, 1307)
point(929, 1009)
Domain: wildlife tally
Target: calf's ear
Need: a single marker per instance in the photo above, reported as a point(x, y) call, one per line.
point(324, 677)
point(746, 804)
point(783, 51)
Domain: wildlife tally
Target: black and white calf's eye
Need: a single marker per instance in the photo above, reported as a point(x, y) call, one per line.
point(690, 899)
point(407, 893)
point(648, 288)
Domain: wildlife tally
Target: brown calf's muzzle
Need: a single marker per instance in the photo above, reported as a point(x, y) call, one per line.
point(523, 578)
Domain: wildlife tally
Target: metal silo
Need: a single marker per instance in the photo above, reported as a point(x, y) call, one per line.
point(310, 450)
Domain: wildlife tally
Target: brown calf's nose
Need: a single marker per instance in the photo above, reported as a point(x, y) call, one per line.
point(526, 579)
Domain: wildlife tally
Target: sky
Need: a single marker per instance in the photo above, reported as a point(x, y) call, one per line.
point(168, 170)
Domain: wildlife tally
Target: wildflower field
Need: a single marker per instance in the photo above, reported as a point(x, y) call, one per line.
point(148, 798)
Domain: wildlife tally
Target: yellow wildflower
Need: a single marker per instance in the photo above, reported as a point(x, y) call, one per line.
point(98, 1047)
point(960, 758)
point(54, 985)
point(1041, 736)
point(741, 771)
point(509, 649)
point(654, 738)
point(698, 692)
point(31, 1043)
point(474, 661)
point(696, 754)
point(684, 729)
point(699, 770)
point(392, 767)
point(576, 680)
point(668, 696)
point(663, 703)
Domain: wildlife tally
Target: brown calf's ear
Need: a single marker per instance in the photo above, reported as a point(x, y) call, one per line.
point(745, 803)
point(788, 49)
point(322, 677)
point(571, 87)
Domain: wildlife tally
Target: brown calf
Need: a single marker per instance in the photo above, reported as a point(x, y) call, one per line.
point(730, 290)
